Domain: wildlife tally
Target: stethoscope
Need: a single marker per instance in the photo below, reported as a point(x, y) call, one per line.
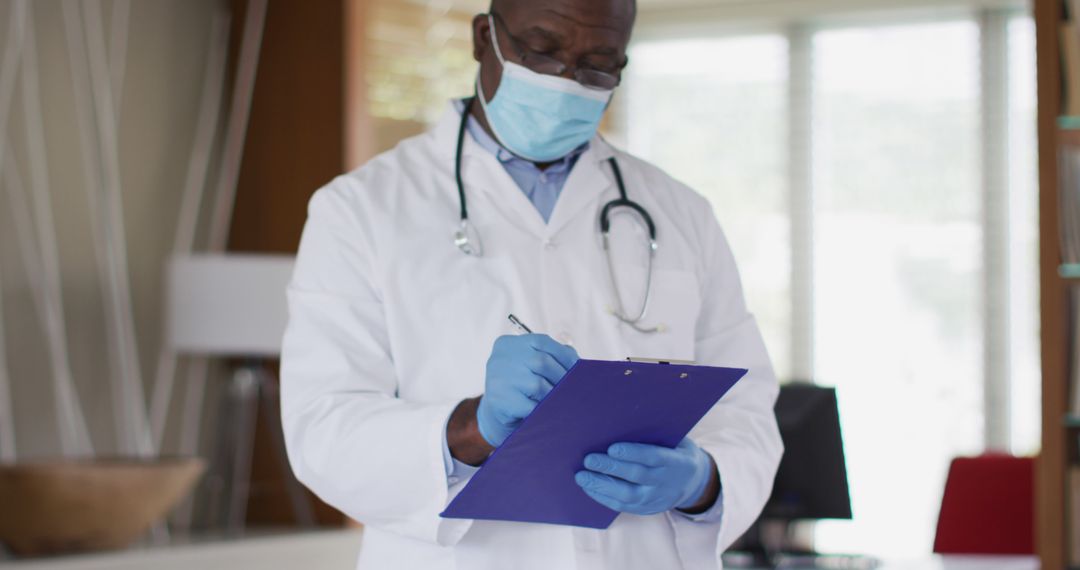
point(468, 241)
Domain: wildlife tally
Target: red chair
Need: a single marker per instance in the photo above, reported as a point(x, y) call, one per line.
point(988, 506)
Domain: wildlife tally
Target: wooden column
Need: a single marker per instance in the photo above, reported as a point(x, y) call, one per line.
point(295, 144)
point(1050, 477)
point(295, 139)
point(359, 124)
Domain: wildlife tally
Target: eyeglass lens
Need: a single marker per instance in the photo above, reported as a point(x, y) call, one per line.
point(592, 78)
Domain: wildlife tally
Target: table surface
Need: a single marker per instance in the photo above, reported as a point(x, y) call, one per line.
point(966, 563)
point(338, 549)
point(927, 563)
point(316, 550)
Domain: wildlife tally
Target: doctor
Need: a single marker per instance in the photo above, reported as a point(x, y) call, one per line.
point(401, 373)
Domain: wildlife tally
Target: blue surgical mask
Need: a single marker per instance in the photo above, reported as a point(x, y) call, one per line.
point(540, 117)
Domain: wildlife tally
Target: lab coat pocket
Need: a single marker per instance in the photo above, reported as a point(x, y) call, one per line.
point(666, 331)
point(449, 310)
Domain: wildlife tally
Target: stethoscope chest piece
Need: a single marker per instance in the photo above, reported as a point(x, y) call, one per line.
point(468, 240)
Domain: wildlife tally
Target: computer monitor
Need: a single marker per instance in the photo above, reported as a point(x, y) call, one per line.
point(811, 482)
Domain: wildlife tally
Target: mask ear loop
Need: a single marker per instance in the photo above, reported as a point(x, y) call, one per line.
point(498, 55)
point(495, 39)
point(480, 87)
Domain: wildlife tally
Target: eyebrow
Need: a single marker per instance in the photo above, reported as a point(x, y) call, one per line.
point(605, 51)
point(547, 34)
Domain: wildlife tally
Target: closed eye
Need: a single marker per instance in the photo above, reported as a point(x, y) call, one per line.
point(604, 65)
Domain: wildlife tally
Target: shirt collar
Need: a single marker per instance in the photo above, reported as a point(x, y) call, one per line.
point(507, 158)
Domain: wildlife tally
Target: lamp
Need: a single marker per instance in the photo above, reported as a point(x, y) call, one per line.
point(226, 305)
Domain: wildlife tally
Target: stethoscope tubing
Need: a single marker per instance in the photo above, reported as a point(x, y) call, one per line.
point(465, 242)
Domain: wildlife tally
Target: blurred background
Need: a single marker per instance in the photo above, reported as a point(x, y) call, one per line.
point(874, 163)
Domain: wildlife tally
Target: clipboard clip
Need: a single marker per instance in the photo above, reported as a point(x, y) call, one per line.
point(641, 360)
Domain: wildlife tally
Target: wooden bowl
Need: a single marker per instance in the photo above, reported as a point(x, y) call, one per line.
point(100, 504)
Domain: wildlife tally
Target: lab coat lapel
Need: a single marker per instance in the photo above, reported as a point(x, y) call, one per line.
point(588, 181)
point(483, 175)
point(481, 172)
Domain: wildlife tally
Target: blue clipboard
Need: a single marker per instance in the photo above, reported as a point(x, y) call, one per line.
point(530, 477)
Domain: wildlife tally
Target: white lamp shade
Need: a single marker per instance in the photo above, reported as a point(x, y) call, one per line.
point(227, 305)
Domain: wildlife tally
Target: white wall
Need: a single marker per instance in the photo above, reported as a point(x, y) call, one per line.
point(166, 54)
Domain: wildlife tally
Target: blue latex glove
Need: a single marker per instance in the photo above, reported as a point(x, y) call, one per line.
point(646, 479)
point(520, 372)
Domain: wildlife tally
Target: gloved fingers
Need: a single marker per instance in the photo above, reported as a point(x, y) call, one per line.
point(516, 406)
point(608, 502)
point(645, 454)
point(508, 344)
point(628, 471)
point(546, 366)
point(644, 506)
point(695, 454)
point(565, 355)
point(533, 386)
point(608, 486)
point(687, 444)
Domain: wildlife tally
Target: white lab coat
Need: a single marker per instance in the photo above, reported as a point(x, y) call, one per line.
point(390, 326)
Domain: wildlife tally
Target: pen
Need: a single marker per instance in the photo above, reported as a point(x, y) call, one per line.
point(517, 323)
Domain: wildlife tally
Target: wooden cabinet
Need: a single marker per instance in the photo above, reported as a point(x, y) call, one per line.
point(1054, 458)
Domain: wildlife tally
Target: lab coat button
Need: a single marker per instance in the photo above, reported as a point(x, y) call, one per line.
point(453, 480)
point(549, 245)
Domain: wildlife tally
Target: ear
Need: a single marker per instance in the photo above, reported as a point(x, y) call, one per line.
point(481, 31)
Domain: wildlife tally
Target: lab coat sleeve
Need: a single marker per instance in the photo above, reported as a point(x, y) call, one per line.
point(740, 432)
point(456, 471)
point(350, 439)
point(711, 515)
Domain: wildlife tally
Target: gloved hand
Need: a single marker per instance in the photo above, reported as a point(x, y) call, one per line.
point(647, 479)
point(520, 372)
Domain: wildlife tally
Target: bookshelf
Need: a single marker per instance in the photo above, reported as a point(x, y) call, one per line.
point(1055, 281)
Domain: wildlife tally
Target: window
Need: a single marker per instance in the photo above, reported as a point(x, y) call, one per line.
point(897, 266)
point(853, 169)
point(1023, 238)
point(420, 54)
point(673, 95)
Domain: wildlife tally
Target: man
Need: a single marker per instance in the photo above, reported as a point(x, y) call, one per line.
point(400, 375)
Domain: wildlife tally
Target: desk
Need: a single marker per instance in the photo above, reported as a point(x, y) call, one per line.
point(945, 563)
point(317, 550)
point(338, 549)
point(966, 563)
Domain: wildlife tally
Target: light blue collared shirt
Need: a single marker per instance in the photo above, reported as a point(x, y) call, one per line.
point(543, 188)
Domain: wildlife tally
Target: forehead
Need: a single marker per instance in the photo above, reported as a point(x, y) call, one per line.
point(587, 21)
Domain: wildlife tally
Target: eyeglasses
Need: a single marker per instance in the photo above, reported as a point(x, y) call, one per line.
point(591, 78)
